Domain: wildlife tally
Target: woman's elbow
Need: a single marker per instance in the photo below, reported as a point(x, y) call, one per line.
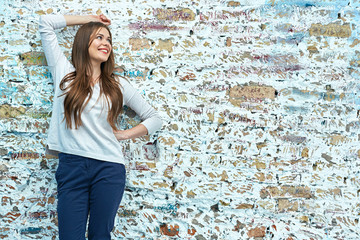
point(42, 23)
point(160, 121)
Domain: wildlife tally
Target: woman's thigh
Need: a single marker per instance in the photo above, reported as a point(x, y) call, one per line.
point(73, 196)
point(107, 188)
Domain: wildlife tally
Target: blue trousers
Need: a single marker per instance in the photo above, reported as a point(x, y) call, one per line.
point(88, 189)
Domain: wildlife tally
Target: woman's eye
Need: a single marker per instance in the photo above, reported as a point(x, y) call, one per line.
point(99, 37)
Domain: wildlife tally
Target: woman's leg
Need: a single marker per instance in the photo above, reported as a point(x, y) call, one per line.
point(73, 197)
point(107, 188)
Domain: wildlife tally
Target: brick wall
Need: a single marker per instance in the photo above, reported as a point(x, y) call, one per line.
point(260, 101)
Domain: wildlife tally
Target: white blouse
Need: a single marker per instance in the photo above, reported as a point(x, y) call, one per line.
point(95, 138)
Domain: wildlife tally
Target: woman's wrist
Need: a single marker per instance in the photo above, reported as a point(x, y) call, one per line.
point(121, 135)
point(72, 20)
point(135, 132)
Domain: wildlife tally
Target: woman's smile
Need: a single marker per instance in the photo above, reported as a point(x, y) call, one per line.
point(100, 47)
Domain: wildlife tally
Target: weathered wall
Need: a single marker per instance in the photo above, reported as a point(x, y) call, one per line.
point(260, 99)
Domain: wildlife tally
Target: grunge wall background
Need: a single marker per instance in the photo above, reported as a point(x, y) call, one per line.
point(260, 101)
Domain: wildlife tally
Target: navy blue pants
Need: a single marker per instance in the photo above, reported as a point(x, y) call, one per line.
point(88, 189)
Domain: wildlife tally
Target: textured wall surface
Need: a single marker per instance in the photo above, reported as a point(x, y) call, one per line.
point(260, 102)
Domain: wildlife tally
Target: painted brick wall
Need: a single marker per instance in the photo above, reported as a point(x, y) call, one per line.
point(260, 101)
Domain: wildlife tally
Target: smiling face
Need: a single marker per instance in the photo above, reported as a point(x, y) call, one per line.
point(100, 47)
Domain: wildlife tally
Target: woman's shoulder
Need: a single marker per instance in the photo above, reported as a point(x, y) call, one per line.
point(123, 82)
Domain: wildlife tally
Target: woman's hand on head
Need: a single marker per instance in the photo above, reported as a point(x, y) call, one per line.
point(101, 18)
point(104, 19)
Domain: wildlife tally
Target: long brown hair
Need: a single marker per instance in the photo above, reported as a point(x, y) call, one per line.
point(79, 91)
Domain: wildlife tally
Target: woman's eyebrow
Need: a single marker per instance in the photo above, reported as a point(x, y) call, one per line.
point(103, 35)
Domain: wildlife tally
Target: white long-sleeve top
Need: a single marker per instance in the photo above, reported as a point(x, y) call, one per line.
point(95, 138)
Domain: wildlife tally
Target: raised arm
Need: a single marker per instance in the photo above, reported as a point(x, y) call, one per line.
point(47, 26)
point(80, 20)
point(56, 59)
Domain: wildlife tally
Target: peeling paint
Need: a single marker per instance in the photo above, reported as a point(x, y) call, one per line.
point(260, 101)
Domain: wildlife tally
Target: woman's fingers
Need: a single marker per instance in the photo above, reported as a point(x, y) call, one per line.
point(104, 19)
point(120, 135)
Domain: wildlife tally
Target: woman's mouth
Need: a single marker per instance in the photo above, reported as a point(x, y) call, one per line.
point(106, 51)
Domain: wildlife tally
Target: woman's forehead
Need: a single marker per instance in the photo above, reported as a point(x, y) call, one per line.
point(103, 31)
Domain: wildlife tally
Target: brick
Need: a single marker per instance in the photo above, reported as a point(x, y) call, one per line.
point(4, 232)
point(152, 26)
point(256, 232)
point(169, 230)
point(24, 155)
point(167, 141)
point(287, 191)
point(33, 58)
point(293, 138)
point(151, 151)
point(184, 14)
point(165, 44)
point(223, 15)
point(30, 230)
point(330, 30)
point(305, 153)
point(144, 166)
point(233, 4)
point(285, 205)
point(127, 213)
point(139, 44)
point(266, 204)
point(337, 139)
point(259, 164)
point(245, 206)
point(323, 193)
point(191, 231)
point(251, 92)
point(10, 217)
point(228, 42)
point(38, 215)
point(7, 111)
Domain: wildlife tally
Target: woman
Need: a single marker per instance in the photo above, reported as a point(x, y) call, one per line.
point(88, 100)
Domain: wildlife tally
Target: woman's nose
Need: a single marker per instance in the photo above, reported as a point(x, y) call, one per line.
point(106, 42)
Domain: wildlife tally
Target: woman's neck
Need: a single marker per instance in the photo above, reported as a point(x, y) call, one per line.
point(96, 73)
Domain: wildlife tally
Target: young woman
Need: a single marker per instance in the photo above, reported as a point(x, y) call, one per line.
point(83, 128)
